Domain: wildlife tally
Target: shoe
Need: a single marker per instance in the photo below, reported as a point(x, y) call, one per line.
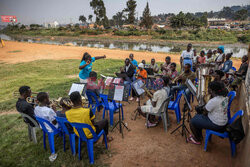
point(137, 99)
point(131, 99)
point(191, 140)
point(150, 125)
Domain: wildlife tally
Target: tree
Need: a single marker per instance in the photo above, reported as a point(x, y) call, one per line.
point(82, 18)
point(203, 19)
point(119, 18)
point(178, 21)
point(226, 12)
point(241, 15)
point(146, 19)
point(100, 12)
point(131, 5)
point(90, 18)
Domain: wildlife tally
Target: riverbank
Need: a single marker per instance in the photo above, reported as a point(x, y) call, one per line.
point(17, 52)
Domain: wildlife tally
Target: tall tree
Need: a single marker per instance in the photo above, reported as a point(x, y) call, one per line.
point(90, 18)
point(178, 21)
point(82, 18)
point(119, 18)
point(240, 14)
point(131, 5)
point(147, 19)
point(203, 19)
point(100, 12)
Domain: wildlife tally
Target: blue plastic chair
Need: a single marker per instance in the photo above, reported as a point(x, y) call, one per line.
point(111, 107)
point(175, 105)
point(95, 104)
point(61, 121)
point(231, 95)
point(51, 135)
point(233, 68)
point(209, 133)
point(90, 142)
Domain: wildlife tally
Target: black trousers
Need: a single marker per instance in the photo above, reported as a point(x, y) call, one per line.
point(102, 125)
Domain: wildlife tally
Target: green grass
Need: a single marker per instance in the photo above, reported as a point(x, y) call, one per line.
point(17, 150)
point(45, 75)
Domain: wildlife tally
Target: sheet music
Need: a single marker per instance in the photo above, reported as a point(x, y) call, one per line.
point(117, 80)
point(108, 81)
point(138, 87)
point(118, 95)
point(76, 87)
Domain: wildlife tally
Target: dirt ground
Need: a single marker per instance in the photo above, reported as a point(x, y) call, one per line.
point(141, 146)
point(17, 52)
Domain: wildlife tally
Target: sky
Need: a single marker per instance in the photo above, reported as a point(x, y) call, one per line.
point(67, 11)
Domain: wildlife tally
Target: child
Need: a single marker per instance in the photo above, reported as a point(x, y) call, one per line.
point(43, 111)
point(209, 58)
point(201, 59)
point(228, 63)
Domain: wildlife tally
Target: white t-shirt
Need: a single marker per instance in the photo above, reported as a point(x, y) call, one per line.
point(46, 113)
point(209, 60)
point(186, 54)
point(220, 57)
point(159, 97)
point(217, 110)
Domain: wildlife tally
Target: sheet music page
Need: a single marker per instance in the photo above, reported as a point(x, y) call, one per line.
point(117, 80)
point(138, 88)
point(76, 87)
point(118, 95)
point(108, 81)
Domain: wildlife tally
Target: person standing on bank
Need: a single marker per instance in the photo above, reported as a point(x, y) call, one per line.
point(86, 66)
point(187, 57)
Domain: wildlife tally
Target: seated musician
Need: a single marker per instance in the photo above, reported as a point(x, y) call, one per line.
point(241, 73)
point(92, 85)
point(153, 105)
point(23, 106)
point(172, 73)
point(166, 66)
point(154, 66)
point(142, 75)
point(212, 116)
point(78, 114)
point(45, 112)
point(128, 69)
point(187, 74)
point(144, 63)
point(209, 57)
point(228, 63)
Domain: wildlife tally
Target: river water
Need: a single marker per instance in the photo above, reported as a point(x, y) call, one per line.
point(238, 51)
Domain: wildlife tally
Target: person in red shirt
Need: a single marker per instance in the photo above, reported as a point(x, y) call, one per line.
point(201, 59)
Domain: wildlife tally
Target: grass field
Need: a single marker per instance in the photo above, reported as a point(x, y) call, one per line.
point(55, 77)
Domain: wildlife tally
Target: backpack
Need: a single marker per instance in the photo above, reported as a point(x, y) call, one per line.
point(236, 131)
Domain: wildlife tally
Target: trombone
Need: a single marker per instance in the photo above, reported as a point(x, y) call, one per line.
point(178, 77)
point(147, 91)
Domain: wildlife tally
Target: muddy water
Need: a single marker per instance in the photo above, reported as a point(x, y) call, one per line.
point(238, 51)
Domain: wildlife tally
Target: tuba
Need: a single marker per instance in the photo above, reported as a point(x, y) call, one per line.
point(204, 77)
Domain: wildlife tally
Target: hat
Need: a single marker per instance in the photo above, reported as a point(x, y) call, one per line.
point(141, 65)
point(221, 47)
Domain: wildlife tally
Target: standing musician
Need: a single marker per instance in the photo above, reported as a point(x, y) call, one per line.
point(141, 74)
point(153, 105)
point(187, 74)
point(166, 66)
point(133, 61)
point(86, 66)
point(23, 106)
point(212, 116)
point(154, 66)
point(221, 56)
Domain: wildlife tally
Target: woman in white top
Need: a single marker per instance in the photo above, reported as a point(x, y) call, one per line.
point(216, 117)
point(187, 56)
point(221, 57)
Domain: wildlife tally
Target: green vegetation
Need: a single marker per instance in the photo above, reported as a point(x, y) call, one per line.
point(51, 76)
point(17, 150)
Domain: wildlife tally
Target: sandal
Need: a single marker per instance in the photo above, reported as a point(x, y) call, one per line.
point(191, 140)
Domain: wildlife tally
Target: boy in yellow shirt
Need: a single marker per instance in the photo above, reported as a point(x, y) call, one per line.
point(78, 114)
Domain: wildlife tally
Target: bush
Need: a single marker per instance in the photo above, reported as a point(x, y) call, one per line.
point(244, 38)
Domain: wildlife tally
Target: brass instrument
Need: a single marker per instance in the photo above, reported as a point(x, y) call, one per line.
point(17, 94)
point(178, 77)
point(204, 78)
point(147, 91)
point(32, 100)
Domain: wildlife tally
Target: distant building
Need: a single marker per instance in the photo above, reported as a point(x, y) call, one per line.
point(54, 24)
point(217, 23)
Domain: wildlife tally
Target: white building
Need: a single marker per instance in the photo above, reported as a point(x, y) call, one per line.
point(54, 24)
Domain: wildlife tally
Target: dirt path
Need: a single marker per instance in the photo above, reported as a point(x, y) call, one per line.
point(17, 52)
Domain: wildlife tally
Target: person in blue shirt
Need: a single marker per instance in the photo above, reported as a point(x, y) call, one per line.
point(227, 64)
point(133, 61)
point(86, 66)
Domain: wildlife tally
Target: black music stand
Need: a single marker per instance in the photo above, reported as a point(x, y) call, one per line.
point(187, 107)
point(137, 86)
point(122, 95)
